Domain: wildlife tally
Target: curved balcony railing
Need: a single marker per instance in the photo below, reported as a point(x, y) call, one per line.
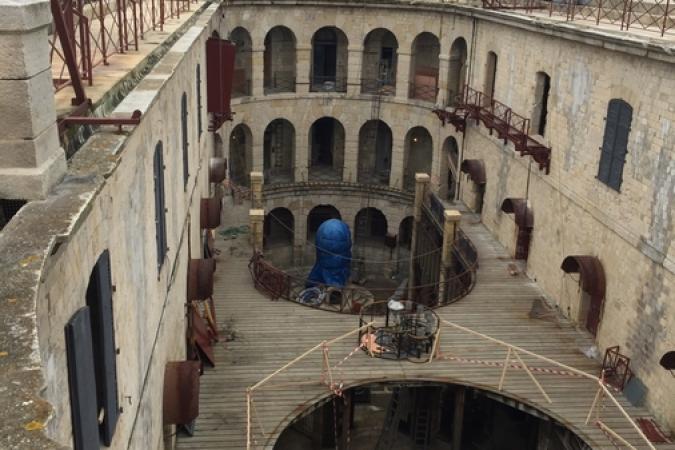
point(328, 84)
point(280, 82)
point(351, 299)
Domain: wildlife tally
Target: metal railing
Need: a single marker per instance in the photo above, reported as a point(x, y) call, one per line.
point(328, 84)
point(277, 283)
point(280, 82)
point(98, 29)
point(378, 87)
point(241, 88)
point(650, 15)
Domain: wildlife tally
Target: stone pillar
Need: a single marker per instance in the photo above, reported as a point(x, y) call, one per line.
point(256, 190)
point(443, 70)
point(421, 186)
point(397, 161)
point(350, 169)
point(301, 162)
point(256, 219)
point(304, 59)
point(402, 76)
point(31, 159)
point(300, 236)
point(258, 69)
point(451, 221)
point(354, 70)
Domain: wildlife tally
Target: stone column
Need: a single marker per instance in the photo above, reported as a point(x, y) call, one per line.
point(350, 169)
point(301, 162)
point(451, 221)
point(402, 76)
point(300, 236)
point(256, 219)
point(458, 417)
point(443, 69)
point(31, 159)
point(354, 70)
point(421, 186)
point(256, 190)
point(397, 160)
point(258, 69)
point(304, 59)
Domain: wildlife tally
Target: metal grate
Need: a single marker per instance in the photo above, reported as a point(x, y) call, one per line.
point(8, 209)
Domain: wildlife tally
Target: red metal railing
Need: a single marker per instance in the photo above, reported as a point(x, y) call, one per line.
point(96, 29)
point(649, 15)
point(496, 116)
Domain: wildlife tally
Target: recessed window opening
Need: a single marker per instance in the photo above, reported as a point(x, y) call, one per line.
point(380, 58)
point(327, 142)
point(279, 152)
point(490, 77)
point(424, 67)
point(199, 101)
point(279, 61)
point(457, 70)
point(241, 148)
point(370, 225)
point(318, 215)
point(418, 154)
point(540, 113)
point(329, 60)
point(185, 138)
point(375, 144)
point(160, 207)
point(243, 62)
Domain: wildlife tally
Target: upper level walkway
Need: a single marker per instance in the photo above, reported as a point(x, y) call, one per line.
point(269, 334)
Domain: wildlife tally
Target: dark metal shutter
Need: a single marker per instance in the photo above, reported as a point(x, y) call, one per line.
point(186, 141)
point(160, 219)
point(81, 381)
point(99, 300)
point(199, 101)
point(615, 143)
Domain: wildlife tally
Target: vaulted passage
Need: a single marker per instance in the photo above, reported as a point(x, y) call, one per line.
point(375, 142)
point(241, 142)
point(243, 62)
point(380, 58)
point(327, 149)
point(418, 154)
point(424, 67)
point(279, 61)
point(329, 60)
point(279, 152)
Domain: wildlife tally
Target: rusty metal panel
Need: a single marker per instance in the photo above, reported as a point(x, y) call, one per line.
point(181, 392)
point(519, 207)
point(219, 77)
point(217, 170)
point(200, 279)
point(476, 170)
point(210, 213)
point(199, 334)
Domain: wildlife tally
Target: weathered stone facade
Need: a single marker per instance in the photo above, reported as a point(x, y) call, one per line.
point(630, 231)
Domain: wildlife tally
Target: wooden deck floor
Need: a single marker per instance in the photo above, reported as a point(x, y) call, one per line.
point(269, 334)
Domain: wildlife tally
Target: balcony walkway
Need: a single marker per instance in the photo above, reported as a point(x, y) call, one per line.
point(269, 334)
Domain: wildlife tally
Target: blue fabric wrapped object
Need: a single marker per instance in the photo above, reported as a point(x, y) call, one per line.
point(333, 254)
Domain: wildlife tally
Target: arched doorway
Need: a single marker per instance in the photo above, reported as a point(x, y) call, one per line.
point(241, 145)
point(279, 61)
point(279, 152)
point(449, 169)
point(424, 64)
point(380, 57)
point(375, 143)
point(243, 62)
point(418, 153)
point(490, 77)
point(370, 226)
point(457, 70)
point(327, 149)
point(329, 60)
point(318, 215)
point(589, 305)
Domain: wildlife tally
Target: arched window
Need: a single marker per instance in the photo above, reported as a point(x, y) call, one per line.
point(279, 152)
point(457, 70)
point(241, 149)
point(540, 113)
point(370, 223)
point(318, 215)
point(279, 61)
point(490, 76)
point(375, 143)
point(278, 227)
point(185, 138)
point(378, 70)
point(160, 208)
point(417, 155)
point(615, 143)
point(327, 149)
point(243, 62)
point(424, 65)
point(329, 60)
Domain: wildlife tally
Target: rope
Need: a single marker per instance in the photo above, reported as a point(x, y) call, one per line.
point(513, 366)
point(391, 261)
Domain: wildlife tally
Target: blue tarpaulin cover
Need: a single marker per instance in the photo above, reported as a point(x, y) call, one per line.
point(333, 254)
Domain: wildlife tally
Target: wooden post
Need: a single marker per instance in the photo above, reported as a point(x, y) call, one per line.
point(458, 418)
point(256, 190)
point(346, 420)
point(257, 218)
point(451, 219)
point(421, 185)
